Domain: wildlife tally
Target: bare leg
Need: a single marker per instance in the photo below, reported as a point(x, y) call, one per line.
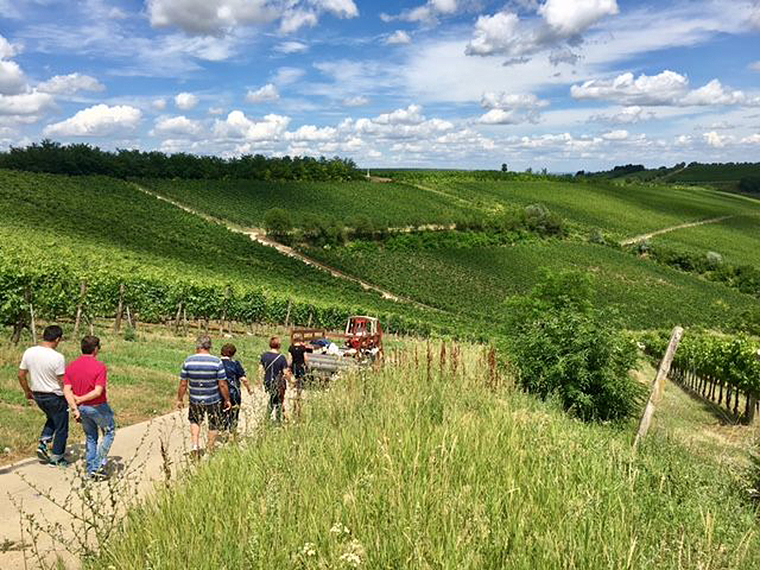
point(212, 439)
point(195, 434)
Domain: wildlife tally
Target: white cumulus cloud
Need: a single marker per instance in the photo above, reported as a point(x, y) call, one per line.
point(185, 101)
point(221, 17)
point(12, 79)
point(399, 37)
point(70, 84)
point(177, 127)
point(99, 120)
point(572, 17)
point(7, 49)
point(412, 115)
point(238, 126)
point(356, 101)
point(666, 88)
point(617, 135)
point(267, 93)
point(31, 103)
point(312, 133)
point(510, 108)
point(563, 24)
point(714, 139)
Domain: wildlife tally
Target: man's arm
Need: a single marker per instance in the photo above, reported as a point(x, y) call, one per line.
point(224, 388)
point(22, 374)
point(68, 393)
point(181, 393)
point(91, 395)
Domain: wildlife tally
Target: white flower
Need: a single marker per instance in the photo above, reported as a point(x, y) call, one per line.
point(351, 558)
point(308, 549)
point(339, 528)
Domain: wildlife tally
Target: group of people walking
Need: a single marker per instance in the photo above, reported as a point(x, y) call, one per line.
point(80, 389)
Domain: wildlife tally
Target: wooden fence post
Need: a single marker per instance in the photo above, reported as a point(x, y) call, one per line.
point(82, 293)
point(119, 310)
point(657, 385)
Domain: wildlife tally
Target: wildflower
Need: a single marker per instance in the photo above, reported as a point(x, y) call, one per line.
point(339, 529)
point(351, 558)
point(308, 549)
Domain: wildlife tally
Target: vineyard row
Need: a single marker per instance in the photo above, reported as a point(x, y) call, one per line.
point(720, 369)
point(63, 294)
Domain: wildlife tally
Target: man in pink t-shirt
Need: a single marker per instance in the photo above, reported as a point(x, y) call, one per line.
point(84, 386)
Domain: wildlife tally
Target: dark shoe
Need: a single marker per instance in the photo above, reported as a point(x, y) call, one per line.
point(60, 462)
point(99, 474)
point(42, 453)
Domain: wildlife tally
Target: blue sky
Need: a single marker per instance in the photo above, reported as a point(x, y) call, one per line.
point(557, 84)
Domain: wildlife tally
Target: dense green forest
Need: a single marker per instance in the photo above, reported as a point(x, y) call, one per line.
point(83, 159)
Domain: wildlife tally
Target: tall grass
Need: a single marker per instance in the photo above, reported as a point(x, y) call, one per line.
point(398, 469)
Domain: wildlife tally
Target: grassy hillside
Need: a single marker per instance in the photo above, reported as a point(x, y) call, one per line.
point(67, 228)
point(620, 210)
point(737, 239)
point(447, 473)
point(478, 280)
point(246, 201)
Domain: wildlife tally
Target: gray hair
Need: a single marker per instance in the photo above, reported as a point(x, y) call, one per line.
point(203, 343)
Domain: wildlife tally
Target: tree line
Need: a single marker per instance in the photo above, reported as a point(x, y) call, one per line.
point(83, 159)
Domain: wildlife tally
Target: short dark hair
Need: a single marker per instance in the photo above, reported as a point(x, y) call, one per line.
point(90, 344)
point(52, 333)
point(229, 350)
point(274, 342)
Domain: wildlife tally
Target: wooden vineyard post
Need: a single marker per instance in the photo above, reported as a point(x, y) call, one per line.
point(287, 315)
point(31, 322)
point(82, 293)
point(749, 414)
point(657, 385)
point(119, 310)
point(177, 320)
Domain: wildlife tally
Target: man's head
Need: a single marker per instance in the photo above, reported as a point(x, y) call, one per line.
point(229, 350)
point(52, 335)
point(90, 345)
point(203, 343)
point(274, 343)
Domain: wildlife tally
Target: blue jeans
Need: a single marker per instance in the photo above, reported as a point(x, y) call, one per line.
point(56, 427)
point(94, 419)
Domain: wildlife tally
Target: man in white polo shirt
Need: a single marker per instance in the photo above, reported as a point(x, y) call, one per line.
point(41, 377)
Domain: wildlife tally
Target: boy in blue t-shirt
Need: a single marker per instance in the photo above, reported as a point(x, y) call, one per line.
point(235, 375)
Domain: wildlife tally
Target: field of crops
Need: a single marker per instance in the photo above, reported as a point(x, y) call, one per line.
point(56, 230)
point(729, 172)
point(478, 280)
point(736, 239)
point(245, 201)
point(622, 210)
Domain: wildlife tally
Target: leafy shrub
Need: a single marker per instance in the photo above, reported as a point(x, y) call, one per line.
point(277, 221)
point(714, 259)
point(596, 236)
point(539, 219)
point(562, 347)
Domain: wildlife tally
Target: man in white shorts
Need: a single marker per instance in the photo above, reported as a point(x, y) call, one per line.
point(41, 377)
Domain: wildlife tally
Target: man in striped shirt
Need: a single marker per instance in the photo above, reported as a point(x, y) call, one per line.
point(204, 374)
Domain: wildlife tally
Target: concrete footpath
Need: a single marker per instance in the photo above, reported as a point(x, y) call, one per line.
point(57, 501)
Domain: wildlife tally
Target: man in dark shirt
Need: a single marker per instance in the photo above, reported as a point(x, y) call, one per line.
point(298, 351)
point(275, 367)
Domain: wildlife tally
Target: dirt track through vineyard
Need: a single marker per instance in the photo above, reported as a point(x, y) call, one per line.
point(643, 237)
point(259, 235)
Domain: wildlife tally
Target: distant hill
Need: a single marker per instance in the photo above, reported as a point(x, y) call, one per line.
point(732, 176)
